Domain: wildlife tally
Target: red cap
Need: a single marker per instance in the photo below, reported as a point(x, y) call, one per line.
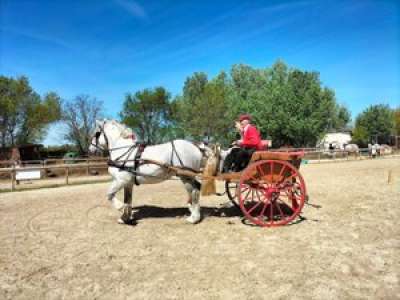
point(244, 117)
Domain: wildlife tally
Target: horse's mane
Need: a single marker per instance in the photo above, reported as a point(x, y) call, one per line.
point(125, 130)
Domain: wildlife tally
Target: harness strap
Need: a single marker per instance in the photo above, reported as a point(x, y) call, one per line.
point(176, 153)
point(181, 170)
point(137, 160)
point(127, 153)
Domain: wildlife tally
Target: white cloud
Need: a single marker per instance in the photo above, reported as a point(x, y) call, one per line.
point(38, 37)
point(133, 8)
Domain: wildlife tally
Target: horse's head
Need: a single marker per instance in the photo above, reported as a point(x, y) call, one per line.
point(107, 133)
point(99, 140)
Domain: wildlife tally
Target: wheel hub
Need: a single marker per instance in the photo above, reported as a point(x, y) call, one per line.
point(271, 192)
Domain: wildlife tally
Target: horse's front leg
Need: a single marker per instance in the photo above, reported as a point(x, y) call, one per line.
point(127, 215)
point(121, 179)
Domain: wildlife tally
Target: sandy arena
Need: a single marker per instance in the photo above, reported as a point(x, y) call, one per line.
point(65, 243)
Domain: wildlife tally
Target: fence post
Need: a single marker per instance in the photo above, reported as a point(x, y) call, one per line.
point(87, 167)
point(66, 175)
point(319, 157)
point(13, 178)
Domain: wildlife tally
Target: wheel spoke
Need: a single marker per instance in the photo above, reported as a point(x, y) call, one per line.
point(258, 196)
point(272, 171)
point(260, 171)
point(263, 209)
point(271, 216)
point(280, 210)
point(248, 193)
point(281, 171)
point(245, 188)
point(254, 207)
point(293, 198)
point(288, 178)
point(292, 195)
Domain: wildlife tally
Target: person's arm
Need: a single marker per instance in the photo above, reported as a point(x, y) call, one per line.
point(240, 130)
point(251, 138)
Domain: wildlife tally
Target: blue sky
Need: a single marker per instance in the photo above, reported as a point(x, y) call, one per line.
point(106, 48)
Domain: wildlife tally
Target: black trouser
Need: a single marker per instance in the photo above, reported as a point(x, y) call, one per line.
point(238, 159)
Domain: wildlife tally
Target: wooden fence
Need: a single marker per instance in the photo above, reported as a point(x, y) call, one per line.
point(312, 156)
point(46, 165)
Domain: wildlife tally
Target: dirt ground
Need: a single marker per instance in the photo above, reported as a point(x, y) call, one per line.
point(64, 243)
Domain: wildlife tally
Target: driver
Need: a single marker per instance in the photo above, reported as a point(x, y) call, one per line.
point(243, 149)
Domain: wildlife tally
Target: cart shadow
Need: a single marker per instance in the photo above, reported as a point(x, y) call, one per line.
point(151, 211)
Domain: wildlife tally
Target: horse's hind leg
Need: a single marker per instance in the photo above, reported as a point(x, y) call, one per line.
point(193, 188)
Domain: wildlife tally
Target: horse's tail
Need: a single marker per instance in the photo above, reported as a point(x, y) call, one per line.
point(208, 186)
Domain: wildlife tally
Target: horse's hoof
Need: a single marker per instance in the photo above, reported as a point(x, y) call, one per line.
point(130, 221)
point(193, 220)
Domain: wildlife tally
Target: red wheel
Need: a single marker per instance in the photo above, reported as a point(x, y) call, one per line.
point(271, 192)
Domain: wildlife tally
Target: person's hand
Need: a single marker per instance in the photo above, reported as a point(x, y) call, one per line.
point(237, 126)
point(236, 143)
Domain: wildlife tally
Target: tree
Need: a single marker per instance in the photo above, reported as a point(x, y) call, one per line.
point(374, 125)
point(79, 116)
point(203, 110)
point(288, 105)
point(149, 112)
point(24, 115)
point(396, 117)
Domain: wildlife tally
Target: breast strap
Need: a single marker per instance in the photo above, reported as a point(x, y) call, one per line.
point(137, 160)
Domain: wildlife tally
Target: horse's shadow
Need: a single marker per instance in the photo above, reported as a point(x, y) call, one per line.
point(152, 211)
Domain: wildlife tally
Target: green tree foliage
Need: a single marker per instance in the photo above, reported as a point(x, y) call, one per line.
point(24, 115)
point(396, 117)
point(375, 124)
point(149, 113)
point(203, 110)
point(79, 116)
point(288, 105)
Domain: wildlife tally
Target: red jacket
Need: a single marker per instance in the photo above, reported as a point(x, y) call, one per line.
point(251, 137)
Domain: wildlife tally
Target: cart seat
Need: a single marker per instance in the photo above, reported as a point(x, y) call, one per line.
point(275, 155)
point(264, 145)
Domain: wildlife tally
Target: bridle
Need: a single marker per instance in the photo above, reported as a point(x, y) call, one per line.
point(97, 135)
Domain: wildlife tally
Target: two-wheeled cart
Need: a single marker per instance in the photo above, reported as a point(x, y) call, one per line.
point(270, 191)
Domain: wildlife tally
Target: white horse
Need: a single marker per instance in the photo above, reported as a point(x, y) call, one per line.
point(122, 145)
point(352, 149)
point(385, 149)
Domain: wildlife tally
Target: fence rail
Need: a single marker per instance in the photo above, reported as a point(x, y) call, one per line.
point(88, 165)
point(312, 155)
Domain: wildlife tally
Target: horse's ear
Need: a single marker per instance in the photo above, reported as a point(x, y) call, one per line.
point(127, 133)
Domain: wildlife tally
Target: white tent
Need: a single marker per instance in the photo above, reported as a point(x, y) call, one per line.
point(338, 140)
